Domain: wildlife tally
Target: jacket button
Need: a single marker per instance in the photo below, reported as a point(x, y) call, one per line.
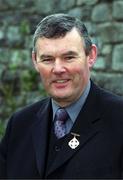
point(57, 148)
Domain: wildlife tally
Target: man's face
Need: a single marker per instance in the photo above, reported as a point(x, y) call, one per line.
point(64, 66)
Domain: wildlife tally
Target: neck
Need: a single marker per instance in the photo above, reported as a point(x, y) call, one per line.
point(65, 102)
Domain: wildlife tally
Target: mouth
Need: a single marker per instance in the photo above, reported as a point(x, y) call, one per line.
point(61, 83)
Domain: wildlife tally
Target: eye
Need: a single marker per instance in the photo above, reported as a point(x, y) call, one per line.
point(69, 58)
point(46, 60)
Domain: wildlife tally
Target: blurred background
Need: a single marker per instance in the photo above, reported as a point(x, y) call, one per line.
point(19, 82)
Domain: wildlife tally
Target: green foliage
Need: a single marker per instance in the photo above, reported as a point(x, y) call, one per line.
point(24, 27)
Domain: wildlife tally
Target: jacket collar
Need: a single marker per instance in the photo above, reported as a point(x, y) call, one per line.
point(40, 132)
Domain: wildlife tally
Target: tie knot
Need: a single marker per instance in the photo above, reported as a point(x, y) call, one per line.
point(61, 115)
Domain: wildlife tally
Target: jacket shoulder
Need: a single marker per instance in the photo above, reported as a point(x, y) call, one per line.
point(110, 104)
point(28, 113)
point(107, 96)
point(34, 107)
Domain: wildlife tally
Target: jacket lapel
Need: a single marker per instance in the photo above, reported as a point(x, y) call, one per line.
point(40, 135)
point(87, 125)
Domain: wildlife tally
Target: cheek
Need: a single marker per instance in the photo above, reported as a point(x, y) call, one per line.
point(77, 70)
point(44, 74)
point(42, 70)
point(80, 73)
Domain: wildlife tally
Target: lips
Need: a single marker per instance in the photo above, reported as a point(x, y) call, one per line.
point(61, 81)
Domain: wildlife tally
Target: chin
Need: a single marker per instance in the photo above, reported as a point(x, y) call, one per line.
point(61, 94)
point(62, 97)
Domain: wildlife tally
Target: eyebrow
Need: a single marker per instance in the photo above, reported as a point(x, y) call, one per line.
point(43, 56)
point(73, 53)
point(68, 53)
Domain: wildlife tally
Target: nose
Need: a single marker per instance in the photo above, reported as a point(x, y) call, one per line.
point(59, 67)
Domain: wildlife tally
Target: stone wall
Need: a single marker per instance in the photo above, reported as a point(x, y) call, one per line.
point(19, 83)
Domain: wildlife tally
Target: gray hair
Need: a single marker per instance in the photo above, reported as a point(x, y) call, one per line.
point(58, 25)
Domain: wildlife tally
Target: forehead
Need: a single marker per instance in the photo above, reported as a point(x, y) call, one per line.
point(71, 41)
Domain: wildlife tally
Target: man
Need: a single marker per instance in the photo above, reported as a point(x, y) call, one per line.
point(89, 143)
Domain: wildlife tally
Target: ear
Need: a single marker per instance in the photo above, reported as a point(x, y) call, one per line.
point(34, 60)
point(92, 56)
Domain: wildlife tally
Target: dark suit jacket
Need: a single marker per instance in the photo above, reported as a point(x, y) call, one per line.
point(23, 150)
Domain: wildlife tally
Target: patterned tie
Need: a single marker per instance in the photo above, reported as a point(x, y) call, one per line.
point(59, 125)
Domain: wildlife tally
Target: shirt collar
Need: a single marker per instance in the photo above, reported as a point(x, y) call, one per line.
point(74, 109)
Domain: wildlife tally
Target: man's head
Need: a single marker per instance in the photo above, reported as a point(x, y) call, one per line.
point(58, 25)
point(63, 55)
